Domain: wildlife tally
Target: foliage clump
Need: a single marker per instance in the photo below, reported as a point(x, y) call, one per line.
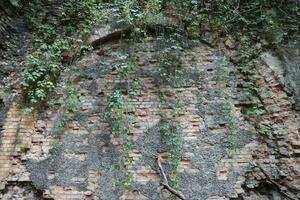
point(274, 21)
point(59, 28)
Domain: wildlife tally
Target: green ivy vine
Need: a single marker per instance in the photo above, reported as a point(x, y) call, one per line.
point(59, 29)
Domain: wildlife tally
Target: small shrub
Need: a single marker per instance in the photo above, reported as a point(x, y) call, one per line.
point(24, 148)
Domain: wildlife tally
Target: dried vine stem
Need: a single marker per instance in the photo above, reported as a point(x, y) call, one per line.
point(165, 182)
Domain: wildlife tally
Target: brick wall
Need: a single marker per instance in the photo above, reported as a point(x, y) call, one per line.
point(77, 161)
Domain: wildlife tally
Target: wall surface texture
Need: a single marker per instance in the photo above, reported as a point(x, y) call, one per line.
point(41, 159)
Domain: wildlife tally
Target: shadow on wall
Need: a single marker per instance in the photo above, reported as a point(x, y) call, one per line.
point(2, 114)
point(11, 7)
point(285, 64)
point(20, 190)
point(291, 61)
point(264, 191)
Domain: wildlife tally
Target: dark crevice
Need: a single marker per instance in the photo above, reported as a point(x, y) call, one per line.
point(263, 191)
point(15, 190)
point(2, 114)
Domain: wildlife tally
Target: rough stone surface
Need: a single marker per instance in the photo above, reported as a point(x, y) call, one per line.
point(286, 68)
point(291, 60)
point(105, 33)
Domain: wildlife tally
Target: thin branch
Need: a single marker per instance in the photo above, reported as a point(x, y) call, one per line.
point(165, 182)
point(161, 169)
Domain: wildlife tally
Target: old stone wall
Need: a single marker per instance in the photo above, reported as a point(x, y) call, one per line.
point(43, 159)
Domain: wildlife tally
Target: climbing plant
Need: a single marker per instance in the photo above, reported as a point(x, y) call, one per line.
point(121, 125)
point(170, 129)
point(116, 112)
point(58, 28)
point(118, 108)
point(170, 48)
